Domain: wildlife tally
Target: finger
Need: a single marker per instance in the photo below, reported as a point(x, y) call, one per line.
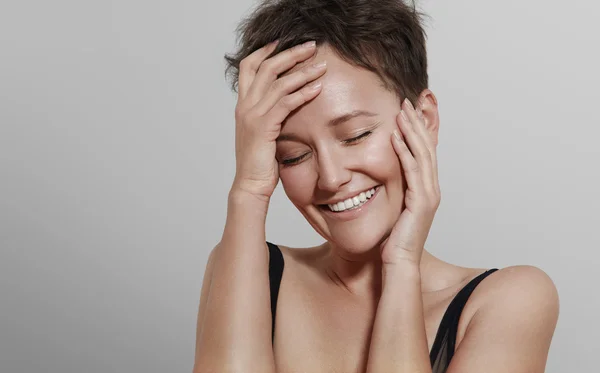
point(291, 102)
point(422, 130)
point(271, 68)
point(419, 126)
point(409, 123)
point(288, 84)
point(249, 66)
point(410, 166)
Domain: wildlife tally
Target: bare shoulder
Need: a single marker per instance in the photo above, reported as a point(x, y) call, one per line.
point(520, 297)
point(520, 287)
point(512, 318)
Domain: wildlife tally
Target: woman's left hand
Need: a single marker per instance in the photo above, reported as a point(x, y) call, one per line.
point(417, 152)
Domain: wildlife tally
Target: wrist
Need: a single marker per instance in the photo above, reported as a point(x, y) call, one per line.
point(401, 273)
point(248, 189)
point(245, 209)
point(245, 222)
point(241, 204)
point(240, 197)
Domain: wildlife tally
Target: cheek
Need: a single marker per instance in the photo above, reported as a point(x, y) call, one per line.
point(381, 159)
point(298, 182)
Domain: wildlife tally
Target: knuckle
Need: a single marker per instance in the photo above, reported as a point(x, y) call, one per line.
point(239, 112)
point(306, 74)
point(304, 94)
point(242, 106)
point(306, 71)
point(270, 71)
point(429, 203)
point(412, 196)
point(247, 64)
point(433, 199)
point(424, 206)
point(268, 65)
point(246, 118)
point(294, 53)
point(287, 103)
point(278, 85)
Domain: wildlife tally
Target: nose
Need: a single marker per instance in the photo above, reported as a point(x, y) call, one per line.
point(332, 172)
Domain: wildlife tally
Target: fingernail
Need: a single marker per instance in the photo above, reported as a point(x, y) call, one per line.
point(404, 116)
point(309, 44)
point(419, 112)
point(410, 105)
point(319, 65)
point(314, 85)
point(397, 135)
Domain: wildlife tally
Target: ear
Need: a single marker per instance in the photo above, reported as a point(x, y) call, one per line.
point(429, 106)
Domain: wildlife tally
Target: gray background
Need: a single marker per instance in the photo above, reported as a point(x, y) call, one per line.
point(116, 155)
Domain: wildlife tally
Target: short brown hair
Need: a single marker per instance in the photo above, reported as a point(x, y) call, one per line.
point(383, 36)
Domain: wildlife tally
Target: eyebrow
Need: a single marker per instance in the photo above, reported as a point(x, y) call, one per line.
point(332, 123)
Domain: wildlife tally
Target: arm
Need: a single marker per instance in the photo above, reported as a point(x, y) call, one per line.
point(399, 342)
point(234, 323)
point(234, 318)
point(512, 331)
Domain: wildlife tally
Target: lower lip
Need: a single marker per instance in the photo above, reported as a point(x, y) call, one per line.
point(350, 214)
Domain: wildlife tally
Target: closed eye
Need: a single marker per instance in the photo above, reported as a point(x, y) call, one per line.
point(357, 138)
point(354, 140)
point(293, 161)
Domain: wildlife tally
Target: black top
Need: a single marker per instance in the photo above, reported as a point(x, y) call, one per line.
point(445, 339)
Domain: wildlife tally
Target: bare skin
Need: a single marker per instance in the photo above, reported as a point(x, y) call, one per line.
point(371, 297)
point(318, 316)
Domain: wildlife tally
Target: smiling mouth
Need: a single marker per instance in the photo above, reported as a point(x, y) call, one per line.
point(352, 202)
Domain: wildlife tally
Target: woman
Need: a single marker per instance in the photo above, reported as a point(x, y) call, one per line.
point(336, 106)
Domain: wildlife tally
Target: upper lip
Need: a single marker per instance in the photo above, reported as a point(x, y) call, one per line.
point(348, 195)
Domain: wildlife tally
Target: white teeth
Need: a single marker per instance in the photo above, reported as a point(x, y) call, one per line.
point(355, 201)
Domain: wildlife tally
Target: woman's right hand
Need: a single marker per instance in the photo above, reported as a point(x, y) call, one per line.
point(264, 101)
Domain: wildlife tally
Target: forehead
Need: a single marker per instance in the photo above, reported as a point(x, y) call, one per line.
point(345, 88)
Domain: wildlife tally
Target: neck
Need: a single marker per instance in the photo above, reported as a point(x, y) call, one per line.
point(361, 275)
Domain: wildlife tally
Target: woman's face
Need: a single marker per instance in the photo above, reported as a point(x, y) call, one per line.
point(338, 146)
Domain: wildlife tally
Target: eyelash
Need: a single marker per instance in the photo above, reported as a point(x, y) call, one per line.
point(355, 139)
point(293, 161)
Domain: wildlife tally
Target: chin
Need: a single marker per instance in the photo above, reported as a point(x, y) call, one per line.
point(359, 243)
point(359, 234)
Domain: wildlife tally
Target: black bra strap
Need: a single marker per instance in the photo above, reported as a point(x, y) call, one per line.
point(275, 273)
point(449, 324)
